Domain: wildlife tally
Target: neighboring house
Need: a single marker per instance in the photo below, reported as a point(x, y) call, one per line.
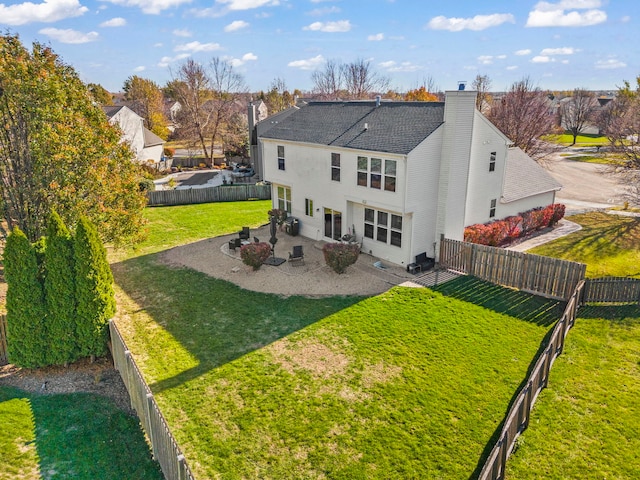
point(401, 174)
point(146, 145)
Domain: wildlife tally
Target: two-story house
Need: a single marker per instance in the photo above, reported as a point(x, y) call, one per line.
point(397, 174)
point(146, 145)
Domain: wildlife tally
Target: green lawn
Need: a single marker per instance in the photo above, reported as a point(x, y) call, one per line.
point(586, 424)
point(80, 436)
point(586, 140)
point(608, 244)
point(393, 386)
point(172, 226)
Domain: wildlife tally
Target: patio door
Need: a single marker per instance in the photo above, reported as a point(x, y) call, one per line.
point(332, 224)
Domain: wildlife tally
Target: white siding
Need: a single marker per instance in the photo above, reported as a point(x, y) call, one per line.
point(514, 208)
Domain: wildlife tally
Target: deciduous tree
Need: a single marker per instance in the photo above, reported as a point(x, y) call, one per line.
point(420, 95)
point(482, 85)
point(577, 111)
point(360, 80)
point(58, 150)
point(146, 99)
point(523, 115)
point(278, 97)
point(328, 81)
point(100, 94)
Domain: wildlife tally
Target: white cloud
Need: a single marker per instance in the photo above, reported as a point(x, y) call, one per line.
point(309, 64)
point(238, 62)
point(501, 57)
point(392, 66)
point(331, 27)
point(479, 22)
point(512, 67)
point(235, 26)
point(197, 47)
point(376, 38)
point(485, 59)
point(70, 36)
point(610, 64)
point(114, 22)
point(526, 51)
point(542, 59)
point(141, 68)
point(559, 51)
point(182, 33)
point(150, 6)
point(166, 61)
point(48, 11)
point(565, 14)
point(247, 4)
point(318, 12)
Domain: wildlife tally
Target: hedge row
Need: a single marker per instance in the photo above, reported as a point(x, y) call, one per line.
point(59, 295)
point(504, 231)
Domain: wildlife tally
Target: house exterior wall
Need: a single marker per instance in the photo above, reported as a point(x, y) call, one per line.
point(519, 206)
point(152, 153)
point(485, 185)
point(308, 174)
point(132, 128)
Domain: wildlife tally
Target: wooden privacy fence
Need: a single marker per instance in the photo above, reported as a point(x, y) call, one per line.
point(612, 290)
point(545, 276)
point(517, 419)
point(229, 193)
point(3, 340)
point(164, 447)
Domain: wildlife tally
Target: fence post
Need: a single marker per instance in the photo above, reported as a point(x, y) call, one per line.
point(150, 433)
point(182, 474)
point(503, 455)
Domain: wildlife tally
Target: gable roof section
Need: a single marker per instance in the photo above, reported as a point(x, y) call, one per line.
point(524, 177)
point(393, 127)
point(111, 110)
point(151, 139)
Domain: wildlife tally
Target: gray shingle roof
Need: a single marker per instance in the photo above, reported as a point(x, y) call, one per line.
point(393, 127)
point(524, 177)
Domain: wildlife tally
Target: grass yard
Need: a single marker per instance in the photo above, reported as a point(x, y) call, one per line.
point(586, 140)
point(608, 244)
point(409, 384)
point(80, 436)
point(172, 226)
point(586, 424)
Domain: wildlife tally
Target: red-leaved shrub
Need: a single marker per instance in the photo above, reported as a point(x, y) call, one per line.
point(255, 254)
point(340, 255)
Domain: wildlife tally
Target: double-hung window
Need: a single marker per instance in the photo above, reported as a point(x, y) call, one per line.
point(390, 175)
point(284, 198)
point(363, 171)
point(308, 207)
point(377, 173)
point(280, 157)
point(492, 162)
point(492, 209)
point(335, 167)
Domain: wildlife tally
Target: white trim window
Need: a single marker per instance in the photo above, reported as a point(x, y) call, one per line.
point(280, 157)
point(308, 207)
point(371, 174)
point(492, 209)
point(492, 162)
point(383, 226)
point(284, 199)
point(335, 167)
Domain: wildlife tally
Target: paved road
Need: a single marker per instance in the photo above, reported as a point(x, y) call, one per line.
point(585, 185)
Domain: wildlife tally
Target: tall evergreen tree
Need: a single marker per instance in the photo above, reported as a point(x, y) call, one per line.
point(26, 334)
point(94, 290)
point(60, 295)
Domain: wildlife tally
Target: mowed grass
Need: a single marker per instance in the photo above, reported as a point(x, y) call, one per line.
point(169, 227)
point(586, 424)
point(409, 384)
point(585, 140)
point(608, 244)
point(80, 436)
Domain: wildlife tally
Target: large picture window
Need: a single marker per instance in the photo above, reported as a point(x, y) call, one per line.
point(383, 226)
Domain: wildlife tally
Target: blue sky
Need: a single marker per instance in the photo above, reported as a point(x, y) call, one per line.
point(558, 44)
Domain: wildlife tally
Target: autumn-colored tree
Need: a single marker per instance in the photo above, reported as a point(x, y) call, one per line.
point(58, 150)
point(100, 94)
point(278, 97)
point(146, 99)
point(420, 95)
point(523, 115)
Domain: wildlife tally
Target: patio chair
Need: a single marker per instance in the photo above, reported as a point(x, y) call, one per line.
point(422, 264)
point(244, 233)
point(256, 239)
point(235, 243)
point(297, 256)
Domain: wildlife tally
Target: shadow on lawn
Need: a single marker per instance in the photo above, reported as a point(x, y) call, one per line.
point(523, 306)
point(627, 314)
point(215, 320)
